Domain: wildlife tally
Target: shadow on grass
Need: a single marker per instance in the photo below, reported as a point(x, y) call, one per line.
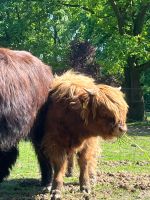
point(23, 189)
point(139, 130)
point(19, 189)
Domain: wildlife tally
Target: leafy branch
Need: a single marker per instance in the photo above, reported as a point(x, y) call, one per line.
point(78, 6)
point(145, 66)
point(139, 20)
point(119, 16)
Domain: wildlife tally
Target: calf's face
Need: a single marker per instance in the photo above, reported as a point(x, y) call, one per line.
point(107, 128)
point(105, 112)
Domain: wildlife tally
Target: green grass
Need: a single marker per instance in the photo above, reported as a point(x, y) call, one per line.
point(131, 151)
point(123, 156)
point(26, 166)
point(23, 182)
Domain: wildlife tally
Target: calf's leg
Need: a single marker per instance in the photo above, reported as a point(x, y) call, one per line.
point(87, 163)
point(59, 172)
point(45, 168)
point(70, 166)
point(58, 160)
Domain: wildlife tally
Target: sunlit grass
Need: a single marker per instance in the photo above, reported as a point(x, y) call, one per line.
point(123, 155)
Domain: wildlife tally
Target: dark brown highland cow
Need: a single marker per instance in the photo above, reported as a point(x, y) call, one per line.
point(24, 86)
point(80, 111)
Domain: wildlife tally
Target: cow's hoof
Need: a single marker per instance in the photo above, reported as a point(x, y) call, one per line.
point(47, 189)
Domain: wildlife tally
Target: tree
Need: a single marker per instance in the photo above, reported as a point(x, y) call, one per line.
point(131, 19)
point(119, 29)
point(34, 26)
point(145, 79)
point(82, 58)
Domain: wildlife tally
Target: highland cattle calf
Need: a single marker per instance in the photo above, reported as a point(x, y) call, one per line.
point(79, 111)
point(24, 86)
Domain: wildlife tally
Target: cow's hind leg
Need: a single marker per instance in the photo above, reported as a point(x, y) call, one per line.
point(7, 160)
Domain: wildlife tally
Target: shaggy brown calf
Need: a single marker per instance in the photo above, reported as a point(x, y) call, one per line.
point(24, 86)
point(79, 111)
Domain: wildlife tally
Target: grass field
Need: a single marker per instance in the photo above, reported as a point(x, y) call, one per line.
point(123, 171)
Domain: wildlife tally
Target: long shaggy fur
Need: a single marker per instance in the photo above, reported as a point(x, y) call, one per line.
point(24, 86)
point(75, 88)
point(79, 112)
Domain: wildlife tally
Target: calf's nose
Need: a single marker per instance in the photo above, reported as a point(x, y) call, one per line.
point(122, 128)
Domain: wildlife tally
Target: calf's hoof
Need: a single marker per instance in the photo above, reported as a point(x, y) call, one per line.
point(86, 197)
point(55, 195)
point(85, 189)
point(69, 174)
point(93, 180)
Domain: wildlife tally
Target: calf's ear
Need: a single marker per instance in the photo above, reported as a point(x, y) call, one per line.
point(92, 95)
point(81, 101)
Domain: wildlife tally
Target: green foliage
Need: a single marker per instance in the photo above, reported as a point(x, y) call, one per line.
point(34, 26)
point(145, 80)
point(47, 27)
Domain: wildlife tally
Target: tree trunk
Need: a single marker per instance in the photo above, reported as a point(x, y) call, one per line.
point(133, 91)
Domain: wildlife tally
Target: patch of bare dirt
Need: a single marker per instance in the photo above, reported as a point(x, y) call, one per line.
point(126, 181)
point(124, 163)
